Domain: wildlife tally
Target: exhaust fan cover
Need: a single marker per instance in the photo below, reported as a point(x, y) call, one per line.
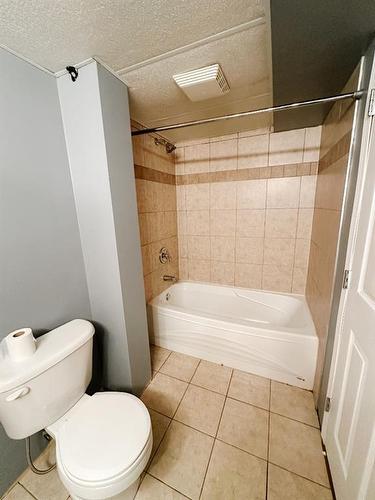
point(203, 83)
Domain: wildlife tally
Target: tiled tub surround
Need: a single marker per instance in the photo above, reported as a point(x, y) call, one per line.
point(332, 170)
point(219, 434)
point(245, 206)
point(156, 199)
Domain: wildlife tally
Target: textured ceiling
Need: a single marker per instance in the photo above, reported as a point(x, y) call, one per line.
point(146, 42)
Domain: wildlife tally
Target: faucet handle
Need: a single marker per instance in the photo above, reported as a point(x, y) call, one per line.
point(164, 255)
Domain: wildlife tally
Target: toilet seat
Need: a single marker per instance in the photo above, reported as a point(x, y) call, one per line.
point(102, 444)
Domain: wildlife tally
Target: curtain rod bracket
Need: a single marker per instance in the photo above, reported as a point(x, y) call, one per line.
point(73, 72)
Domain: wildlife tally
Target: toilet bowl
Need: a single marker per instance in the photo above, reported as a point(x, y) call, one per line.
point(103, 442)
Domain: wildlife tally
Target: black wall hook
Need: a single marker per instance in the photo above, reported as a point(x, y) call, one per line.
point(73, 72)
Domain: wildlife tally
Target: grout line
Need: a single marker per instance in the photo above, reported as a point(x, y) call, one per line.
point(171, 487)
point(299, 475)
point(24, 487)
point(217, 430)
point(268, 439)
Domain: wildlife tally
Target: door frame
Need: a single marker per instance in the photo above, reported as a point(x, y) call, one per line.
point(358, 157)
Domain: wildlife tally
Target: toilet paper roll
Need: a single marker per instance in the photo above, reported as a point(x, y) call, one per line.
point(21, 344)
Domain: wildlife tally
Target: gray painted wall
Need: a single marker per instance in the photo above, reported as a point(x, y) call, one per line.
point(42, 277)
point(96, 122)
point(117, 133)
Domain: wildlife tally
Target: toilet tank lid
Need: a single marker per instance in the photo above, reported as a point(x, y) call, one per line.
point(51, 348)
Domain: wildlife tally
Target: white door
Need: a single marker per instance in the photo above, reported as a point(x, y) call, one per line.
point(349, 426)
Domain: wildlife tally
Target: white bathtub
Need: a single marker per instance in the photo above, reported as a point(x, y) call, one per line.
point(269, 334)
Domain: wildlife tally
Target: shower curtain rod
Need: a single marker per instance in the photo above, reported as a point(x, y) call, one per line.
point(351, 95)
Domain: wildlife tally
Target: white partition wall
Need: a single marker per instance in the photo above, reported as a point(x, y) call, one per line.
point(96, 121)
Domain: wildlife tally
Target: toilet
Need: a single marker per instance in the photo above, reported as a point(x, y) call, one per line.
point(103, 442)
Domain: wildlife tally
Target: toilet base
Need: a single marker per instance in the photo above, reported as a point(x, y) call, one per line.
point(128, 494)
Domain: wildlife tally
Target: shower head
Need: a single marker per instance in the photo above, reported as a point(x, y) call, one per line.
point(169, 147)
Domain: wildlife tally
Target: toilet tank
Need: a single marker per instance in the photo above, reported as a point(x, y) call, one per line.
point(36, 392)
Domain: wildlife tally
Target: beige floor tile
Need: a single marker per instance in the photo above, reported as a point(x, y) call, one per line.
point(152, 489)
point(250, 389)
point(46, 487)
point(201, 409)
point(284, 485)
point(293, 402)
point(182, 459)
point(212, 376)
point(180, 366)
point(18, 492)
point(245, 426)
point(297, 448)
point(158, 356)
point(159, 424)
point(163, 394)
point(234, 475)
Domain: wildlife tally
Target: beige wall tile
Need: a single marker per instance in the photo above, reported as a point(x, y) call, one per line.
point(286, 147)
point(304, 225)
point(222, 222)
point(281, 223)
point(222, 272)
point(146, 259)
point(279, 251)
point(180, 197)
point(223, 155)
point(197, 196)
point(251, 194)
point(199, 247)
point(307, 193)
point(197, 159)
point(277, 278)
point(283, 193)
point(301, 258)
point(198, 222)
point(179, 156)
point(249, 250)
point(222, 248)
point(182, 223)
point(299, 280)
point(311, 148)
point(248, 275)
point(253, 151)
point(223, 195)
point(182, 246)
point(138, 149)
point(250, 223)
point(183, 269)
point(199, 270)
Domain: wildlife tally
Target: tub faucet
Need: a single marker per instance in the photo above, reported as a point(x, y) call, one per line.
point(167, 277)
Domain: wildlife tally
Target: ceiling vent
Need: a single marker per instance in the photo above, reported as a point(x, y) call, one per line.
point(203, 83)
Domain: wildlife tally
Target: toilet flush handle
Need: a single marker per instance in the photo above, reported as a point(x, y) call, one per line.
point(19, 393)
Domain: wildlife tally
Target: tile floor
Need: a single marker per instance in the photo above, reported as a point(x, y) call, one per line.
point(218, 434)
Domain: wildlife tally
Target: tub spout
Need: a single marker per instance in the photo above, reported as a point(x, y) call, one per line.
point(166, 277)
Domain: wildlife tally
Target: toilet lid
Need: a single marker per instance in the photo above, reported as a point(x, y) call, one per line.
point(104, 437)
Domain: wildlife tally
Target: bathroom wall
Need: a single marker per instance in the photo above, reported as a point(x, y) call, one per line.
point(332, 170)
point(42, 274)
point(245, 204)
point(156, 197)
